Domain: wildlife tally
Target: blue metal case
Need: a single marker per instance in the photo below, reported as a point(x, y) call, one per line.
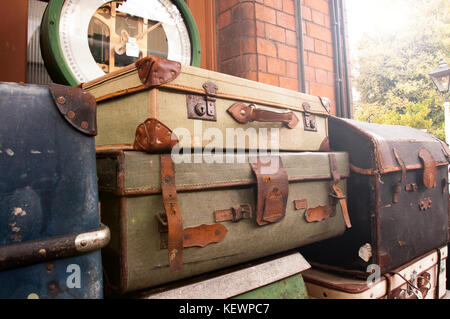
point(50, 231)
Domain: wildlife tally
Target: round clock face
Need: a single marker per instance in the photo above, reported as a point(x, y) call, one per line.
point(83, 39)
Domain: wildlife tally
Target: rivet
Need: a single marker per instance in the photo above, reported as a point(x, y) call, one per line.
point(83, 243)
point(33, 296)
point(71, 114)
point(50, 267)
point(61, 100)
point(42, 252)
point(243, 112)
point(84, 125)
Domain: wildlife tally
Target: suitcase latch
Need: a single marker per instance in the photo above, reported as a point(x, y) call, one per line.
point(272, 189)
point(203, 107)
point(234, 214)
point(309, 120)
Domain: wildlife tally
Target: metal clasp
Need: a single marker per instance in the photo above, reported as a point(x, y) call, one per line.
point(203, 107)
point(309, 120)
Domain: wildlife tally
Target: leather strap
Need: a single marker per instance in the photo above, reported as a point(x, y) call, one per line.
point(174, 220)
point(340, 196)
point(337, 193)
point(234, 214)
point(398, 186)
point(243, 114)
point(272, 189)
point(429, 168)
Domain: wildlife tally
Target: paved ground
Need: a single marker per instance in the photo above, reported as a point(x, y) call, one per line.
point(447, 296)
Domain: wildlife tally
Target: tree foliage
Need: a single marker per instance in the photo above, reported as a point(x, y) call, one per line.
point(391, 70)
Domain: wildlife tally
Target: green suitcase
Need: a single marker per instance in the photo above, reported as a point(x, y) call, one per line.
point(173, 220)
point(204, 109)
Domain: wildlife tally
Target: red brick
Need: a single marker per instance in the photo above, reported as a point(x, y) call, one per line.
point(318, 32)
point(330, 50)
point(320, 61)
point(266, 14)
point(292, 70)
point(331, 78)
point(260, 29)
point(287, 53)
point(248, 45)
point(306, 13)
point(268, 78)
point(327, 22)
point(277, 4)
point(276, 66)
point(291, 38)
point(322, 90)
point(321, 76)
point(320, 5)
point(249, 76)
point(225, 5)
point(228, 51)
point(245, 28)
point(286, 21)
point(320, 47)
point(310, 74)
point(288, 6)
point(224, 19)
point(308, 43)
point(318, 17)
point(266, 47)
point(262, 63)
point(276, 33)
point(249, 62)
point(242, 11)
point(231, 66)
point(288, 83)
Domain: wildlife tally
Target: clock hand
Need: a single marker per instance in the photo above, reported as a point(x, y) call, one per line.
point(142, 34)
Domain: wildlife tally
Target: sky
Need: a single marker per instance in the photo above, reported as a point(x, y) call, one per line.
point(371, 16)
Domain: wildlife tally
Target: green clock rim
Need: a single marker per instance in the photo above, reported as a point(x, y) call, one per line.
point(52, 54)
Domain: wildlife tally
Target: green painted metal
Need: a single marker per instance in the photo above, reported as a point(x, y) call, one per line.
point(289, 288)
point(52, 54)
point(193, 31)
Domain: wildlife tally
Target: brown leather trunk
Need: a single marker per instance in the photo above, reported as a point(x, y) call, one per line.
point(398, 197)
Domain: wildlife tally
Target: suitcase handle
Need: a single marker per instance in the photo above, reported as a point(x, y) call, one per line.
point(243, 114)
point(39, 251)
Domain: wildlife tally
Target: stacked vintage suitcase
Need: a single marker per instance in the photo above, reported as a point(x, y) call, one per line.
point(189, 183)
point(50, 231)
point(398, 203)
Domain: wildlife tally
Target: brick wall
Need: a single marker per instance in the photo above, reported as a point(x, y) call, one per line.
point(318, 49)
point(257, 40)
